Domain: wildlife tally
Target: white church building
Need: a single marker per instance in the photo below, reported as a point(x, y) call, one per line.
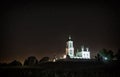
point(84, 53)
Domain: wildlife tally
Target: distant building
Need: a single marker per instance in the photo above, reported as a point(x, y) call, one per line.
point(84, 53)
point(70, 48)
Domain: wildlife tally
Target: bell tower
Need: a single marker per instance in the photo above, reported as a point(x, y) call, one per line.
point(70, 48)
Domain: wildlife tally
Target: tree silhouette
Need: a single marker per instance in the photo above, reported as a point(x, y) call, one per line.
point(110, 55)
point(44, 59)
point(117, 55)
point(15, 63)
point(98, 57)
point(105, 55)
point(68, 57)
point(32, 60)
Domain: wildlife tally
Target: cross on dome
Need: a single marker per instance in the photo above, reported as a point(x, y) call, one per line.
point(69, 37)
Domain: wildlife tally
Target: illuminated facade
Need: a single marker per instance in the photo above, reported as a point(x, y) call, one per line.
point(70, 48)
point(84, 53)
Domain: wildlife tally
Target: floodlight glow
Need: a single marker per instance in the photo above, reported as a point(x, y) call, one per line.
point(54, 60)
point(64, 56)
point(105, 58)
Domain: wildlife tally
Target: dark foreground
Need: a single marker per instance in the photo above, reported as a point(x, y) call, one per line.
point(64, 69)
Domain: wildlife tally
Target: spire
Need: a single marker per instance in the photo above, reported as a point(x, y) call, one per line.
point(69, 37)
point(82, 48)
point(87, 49)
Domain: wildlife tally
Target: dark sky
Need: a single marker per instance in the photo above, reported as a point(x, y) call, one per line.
point(42, 28)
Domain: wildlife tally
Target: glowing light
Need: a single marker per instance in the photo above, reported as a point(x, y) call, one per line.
point(64, 56)
point(54, 60)
point(105, 58)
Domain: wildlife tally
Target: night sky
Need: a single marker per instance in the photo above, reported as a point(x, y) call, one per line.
point(41, 29)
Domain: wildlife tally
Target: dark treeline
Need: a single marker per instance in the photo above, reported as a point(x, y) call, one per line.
point(105, 64)
point(30, 61)
point(102, 55)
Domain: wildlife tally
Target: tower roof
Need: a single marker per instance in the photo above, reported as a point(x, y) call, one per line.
point(69, 37)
